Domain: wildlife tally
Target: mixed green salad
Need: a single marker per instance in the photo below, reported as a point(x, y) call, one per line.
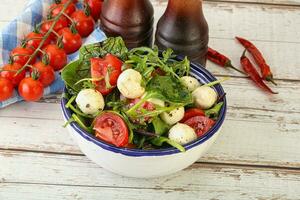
point(138, 98)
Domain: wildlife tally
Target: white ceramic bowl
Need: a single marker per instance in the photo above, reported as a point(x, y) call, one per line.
point(147, 163)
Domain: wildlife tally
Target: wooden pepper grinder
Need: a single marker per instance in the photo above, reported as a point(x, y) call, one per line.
point(131, 19)
point(184, 29)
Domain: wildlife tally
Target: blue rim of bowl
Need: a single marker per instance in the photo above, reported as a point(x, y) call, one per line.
point(197, 71)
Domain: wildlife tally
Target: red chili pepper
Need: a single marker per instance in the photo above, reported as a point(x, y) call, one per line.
point(259, 59)
point(253, 74)
point(220, 59)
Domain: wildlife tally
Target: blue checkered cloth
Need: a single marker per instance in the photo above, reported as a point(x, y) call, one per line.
point(12, 34)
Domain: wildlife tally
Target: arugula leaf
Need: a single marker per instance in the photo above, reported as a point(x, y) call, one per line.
point(159, 141)
point(181, 68)
point(171, 89)
point(167, 54)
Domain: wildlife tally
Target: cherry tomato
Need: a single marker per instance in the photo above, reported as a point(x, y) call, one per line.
point(57, 56)
point(21, 55)
point(30, 89)
point(200, 124)
point(146, 105)
point(9, 72)
point(112, 129)
point(95, 6)
point(61, 23)
point(84, 24)
point(192, 112)
point(149, 106)
point(33, 40)
point(101, 67)
point(6, 89)
point(71, 41)
point(57, 8)
point(46, 73)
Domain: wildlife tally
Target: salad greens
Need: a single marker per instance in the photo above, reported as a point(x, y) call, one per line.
point(161, 74)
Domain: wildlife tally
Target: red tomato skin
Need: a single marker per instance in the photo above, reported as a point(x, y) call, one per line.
point(6, 89)
point(57, 8)
point(46, 73)
point(71, 41)
point(192, 112)
point(21, 55)
point(33, 42)
point(112, 129)
point(99, 68)
point(61, 23)
point(10, 74)
point(200, 124)
point(57, 56)
point(114, 61)
point(30, 89)
point(95, 6)
point(85, 25)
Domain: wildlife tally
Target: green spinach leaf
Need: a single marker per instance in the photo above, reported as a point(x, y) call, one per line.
point(74, 72)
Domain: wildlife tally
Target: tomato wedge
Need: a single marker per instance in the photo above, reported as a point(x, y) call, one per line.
point(112, 129)
point(109, 67)
point(200, 124)
point(192, 112)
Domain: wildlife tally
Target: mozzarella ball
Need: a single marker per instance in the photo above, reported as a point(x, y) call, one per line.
point(174, 116)
point(205, 97)
point(182, 134)
point(129, 84)
point(190, 82)
point(90, 101)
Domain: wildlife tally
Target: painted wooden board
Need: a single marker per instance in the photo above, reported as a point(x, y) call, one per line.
point(207, 181)
point(12, 191)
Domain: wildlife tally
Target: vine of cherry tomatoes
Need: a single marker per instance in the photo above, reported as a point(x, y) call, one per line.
point(32, 65)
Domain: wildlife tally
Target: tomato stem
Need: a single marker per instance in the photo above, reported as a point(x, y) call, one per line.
point(40, 50)
point(87, 9)
point(67, 16)
point(55, 20)
point(35, 74)
point(45, 59)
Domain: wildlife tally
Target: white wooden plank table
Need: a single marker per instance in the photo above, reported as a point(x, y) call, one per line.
point(257, 155)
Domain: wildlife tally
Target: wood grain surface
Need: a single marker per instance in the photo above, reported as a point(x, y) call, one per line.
point(257, 155)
